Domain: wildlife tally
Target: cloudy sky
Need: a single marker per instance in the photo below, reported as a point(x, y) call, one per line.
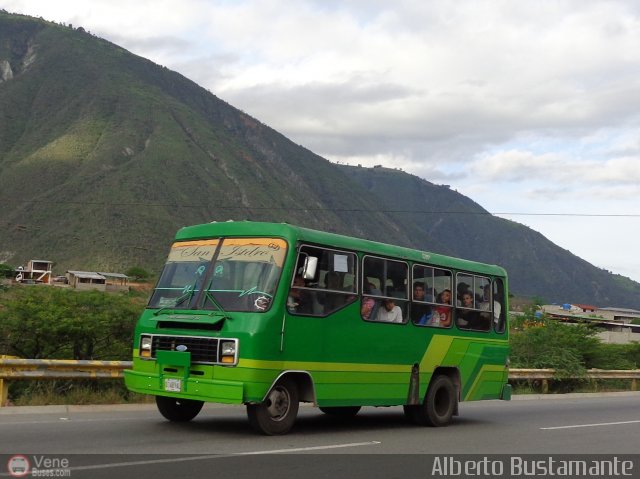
point(532, 109)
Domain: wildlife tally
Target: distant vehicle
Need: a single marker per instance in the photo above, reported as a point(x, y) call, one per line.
point(60, 279)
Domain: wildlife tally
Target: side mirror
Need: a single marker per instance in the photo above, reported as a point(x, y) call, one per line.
point(310, 267)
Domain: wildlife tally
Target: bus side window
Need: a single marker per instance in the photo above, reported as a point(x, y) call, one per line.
point(473, 308)
point(431, 297)
point(391, 299)
point(499, 313)
point(332, 286)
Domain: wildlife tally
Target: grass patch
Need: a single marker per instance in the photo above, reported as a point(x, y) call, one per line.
point(564, 386)
point(45, 393)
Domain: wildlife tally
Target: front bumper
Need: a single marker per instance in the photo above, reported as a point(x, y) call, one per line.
point(213, 390)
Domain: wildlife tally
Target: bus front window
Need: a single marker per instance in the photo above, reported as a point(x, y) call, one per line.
point(241, 274)
point(183, 274)
point(245, 274)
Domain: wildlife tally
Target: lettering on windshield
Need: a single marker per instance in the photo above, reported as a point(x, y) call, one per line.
point(271, 252)
point(198, 252)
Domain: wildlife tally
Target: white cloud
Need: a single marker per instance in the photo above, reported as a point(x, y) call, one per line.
point(530, 104)
point(526, 166)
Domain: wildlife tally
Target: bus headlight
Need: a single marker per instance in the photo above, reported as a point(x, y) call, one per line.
point(228, 352)
point(145, 346)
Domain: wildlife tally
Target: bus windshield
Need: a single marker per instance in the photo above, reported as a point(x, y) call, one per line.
point(236, 274)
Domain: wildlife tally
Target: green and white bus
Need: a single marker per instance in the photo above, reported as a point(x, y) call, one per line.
point(271, 315)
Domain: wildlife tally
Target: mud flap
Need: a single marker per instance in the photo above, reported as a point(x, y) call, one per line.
point(414, 386)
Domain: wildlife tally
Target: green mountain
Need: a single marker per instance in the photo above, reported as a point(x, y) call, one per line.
point(104, 154)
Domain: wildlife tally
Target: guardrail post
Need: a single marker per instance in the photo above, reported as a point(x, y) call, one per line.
point(4, 392)
point(634, 384)
point(4, 386)
point(545, 386)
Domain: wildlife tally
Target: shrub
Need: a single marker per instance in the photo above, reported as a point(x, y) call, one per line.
point(6, 271)
point(54, 323)
point(570, 349)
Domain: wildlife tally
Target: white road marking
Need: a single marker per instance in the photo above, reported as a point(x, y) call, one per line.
point(590, 425)
point(311, 448)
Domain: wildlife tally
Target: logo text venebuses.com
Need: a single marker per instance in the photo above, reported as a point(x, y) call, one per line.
point(38, 466)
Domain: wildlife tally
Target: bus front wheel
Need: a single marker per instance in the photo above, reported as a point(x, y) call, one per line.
point(277, 413)
point(438, 406)
point(178, 410)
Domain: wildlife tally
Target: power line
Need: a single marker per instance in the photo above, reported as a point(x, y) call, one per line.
point(586, 215)
point(336, 210)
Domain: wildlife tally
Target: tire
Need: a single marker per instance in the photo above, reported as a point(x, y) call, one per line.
point(439, 404)
point(341, 411)
point(178, 410)
point(277, 414)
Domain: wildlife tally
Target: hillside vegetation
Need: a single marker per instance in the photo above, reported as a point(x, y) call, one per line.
point(104, 155)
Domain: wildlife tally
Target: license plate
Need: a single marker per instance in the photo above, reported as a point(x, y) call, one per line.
point(173, 385)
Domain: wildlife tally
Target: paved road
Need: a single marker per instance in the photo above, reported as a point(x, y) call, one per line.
point(135, 441)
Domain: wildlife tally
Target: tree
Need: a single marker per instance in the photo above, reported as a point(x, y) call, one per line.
point(138, 273)
point(6, 271)
point(55, 323)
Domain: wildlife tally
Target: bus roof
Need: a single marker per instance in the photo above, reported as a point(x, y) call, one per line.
point(294, 233)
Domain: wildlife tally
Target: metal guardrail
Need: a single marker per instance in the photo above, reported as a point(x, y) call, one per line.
point(544, 375)
point(15, 368)
point(591, 374)
point(12, 368)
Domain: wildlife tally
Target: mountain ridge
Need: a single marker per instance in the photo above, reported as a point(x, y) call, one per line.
point(104, 155)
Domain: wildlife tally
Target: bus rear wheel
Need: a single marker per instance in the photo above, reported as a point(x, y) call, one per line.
point(439, 404)
point(342, 411)
point(277, 413)
point(178, 410)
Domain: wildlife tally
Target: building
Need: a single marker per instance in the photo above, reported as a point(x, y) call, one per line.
point(36, 271)
point(101, 281)
point(617, 323)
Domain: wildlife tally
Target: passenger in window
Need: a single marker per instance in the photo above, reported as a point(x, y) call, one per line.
point(472, 319)
point(420, 313)
point(485, 305)
point(444, 297)
point(466, 317)
point(442, 313)
point(299, 300)
point(389, 313)
point(466, 299)
point(461, 289)
point(368, 305)
point(420, 293)
point(485, 301)
point(368, 309)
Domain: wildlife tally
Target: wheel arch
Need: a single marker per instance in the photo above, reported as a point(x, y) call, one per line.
point(304, 382)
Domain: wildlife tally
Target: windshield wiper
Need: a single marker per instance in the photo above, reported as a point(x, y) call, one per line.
point(188, 294)
point(210, 297)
